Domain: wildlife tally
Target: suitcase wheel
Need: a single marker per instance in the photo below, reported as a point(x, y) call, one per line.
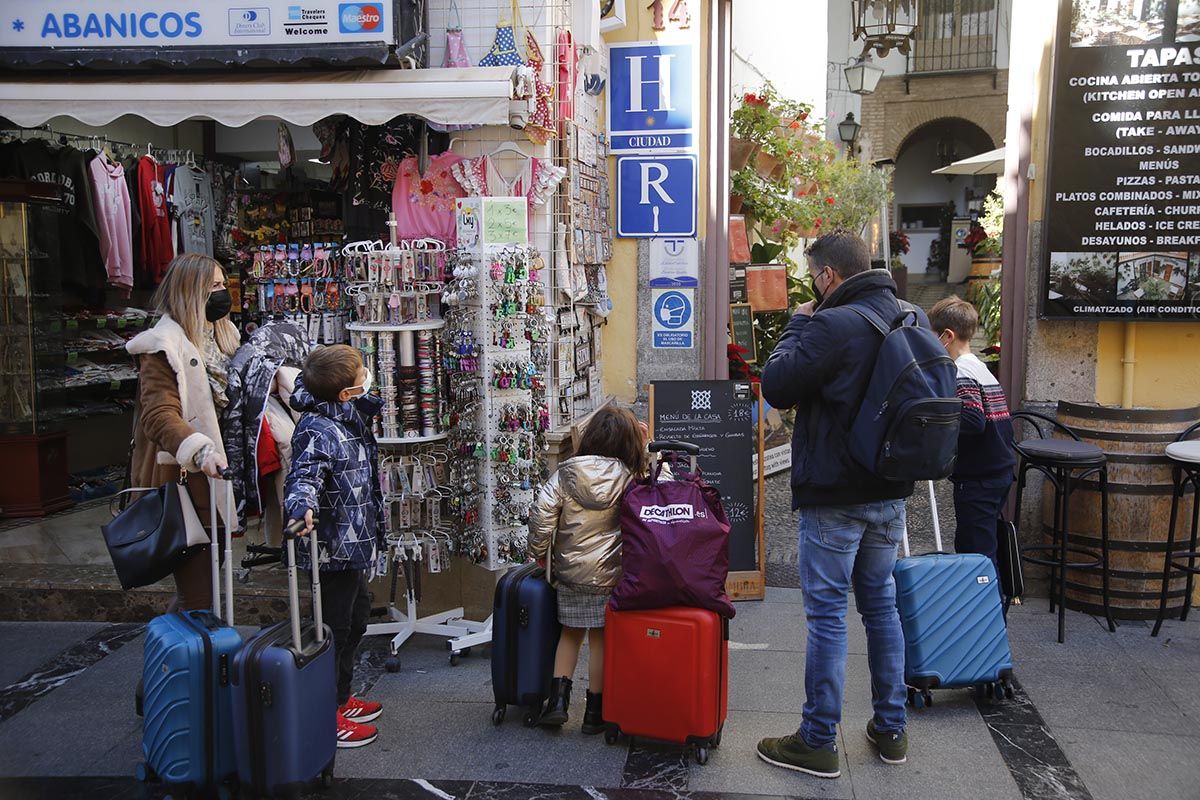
point(716, 739)
point(702, 755)
point(327, 778)
point(611, 734)
point(392, 664)
point(532, 715)
point(919, 698)
point(498, 715)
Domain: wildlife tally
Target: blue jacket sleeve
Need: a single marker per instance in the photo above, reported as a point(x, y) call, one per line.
point(799, 363)
point(312, 462)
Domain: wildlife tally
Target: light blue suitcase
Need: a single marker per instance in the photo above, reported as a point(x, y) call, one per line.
point(953, 618)
point(187, 724)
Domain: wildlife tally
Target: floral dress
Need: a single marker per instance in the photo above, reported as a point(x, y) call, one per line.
point(424, 203)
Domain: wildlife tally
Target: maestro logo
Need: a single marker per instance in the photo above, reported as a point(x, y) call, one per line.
point(360, 17)
point(250, 21)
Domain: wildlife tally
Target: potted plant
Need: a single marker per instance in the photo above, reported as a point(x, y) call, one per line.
point(987, 303)
point(984, 242)
point(899, 245)
point(751, 125)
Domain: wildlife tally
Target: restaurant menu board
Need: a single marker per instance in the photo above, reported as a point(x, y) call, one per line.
point(717, 417)
point(1123, 195)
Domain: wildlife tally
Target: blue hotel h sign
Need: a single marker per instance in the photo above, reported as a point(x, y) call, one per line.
point(652, 102)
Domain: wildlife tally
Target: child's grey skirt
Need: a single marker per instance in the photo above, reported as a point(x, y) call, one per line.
point(582, 606)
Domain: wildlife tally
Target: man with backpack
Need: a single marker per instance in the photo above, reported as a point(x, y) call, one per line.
point(830, 364)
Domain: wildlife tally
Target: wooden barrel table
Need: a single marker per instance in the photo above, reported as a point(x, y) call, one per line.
point(1139, 508)
point(981, 272)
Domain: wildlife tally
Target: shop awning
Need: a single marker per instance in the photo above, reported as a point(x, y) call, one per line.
point(989, 163)
point(470, 96)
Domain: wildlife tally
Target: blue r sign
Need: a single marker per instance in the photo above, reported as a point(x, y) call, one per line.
point(656, 196)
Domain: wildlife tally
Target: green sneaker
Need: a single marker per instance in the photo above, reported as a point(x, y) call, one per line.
point(790, 752)
point(893, 745)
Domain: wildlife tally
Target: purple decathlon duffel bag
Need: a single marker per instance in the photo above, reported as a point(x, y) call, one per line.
point(674, 542)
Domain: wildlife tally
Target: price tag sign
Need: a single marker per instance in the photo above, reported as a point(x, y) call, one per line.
point(121, 322)
point(72, 358)
point(505, 220)
point(101, 322)
point(72, 324)
point(114, 386)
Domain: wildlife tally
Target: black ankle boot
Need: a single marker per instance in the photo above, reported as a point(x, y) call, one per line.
point(593, 715)
point(555, 715)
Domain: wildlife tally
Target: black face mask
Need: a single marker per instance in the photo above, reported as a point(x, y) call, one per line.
point(218, 305)
point(817, 293)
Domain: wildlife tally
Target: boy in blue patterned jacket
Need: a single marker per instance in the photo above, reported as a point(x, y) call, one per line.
point(335, 477)
point(983, 473)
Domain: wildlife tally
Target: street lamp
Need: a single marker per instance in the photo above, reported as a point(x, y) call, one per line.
point(863, 76)
point(848, 132)
point(884, 24)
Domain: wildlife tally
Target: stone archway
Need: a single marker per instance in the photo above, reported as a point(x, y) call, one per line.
point(901, 106)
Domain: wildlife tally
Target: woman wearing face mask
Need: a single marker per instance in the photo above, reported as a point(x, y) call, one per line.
point(183, 364)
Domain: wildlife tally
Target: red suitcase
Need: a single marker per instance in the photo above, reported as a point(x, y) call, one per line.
point(666, 676)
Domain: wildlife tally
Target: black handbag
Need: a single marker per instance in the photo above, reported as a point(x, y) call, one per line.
point(148, 539)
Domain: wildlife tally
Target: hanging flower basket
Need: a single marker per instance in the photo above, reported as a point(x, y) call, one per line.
point(740, 153)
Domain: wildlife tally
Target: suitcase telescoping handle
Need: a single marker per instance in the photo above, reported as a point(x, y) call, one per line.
point(937, 526)
point(214, 548)
point(289, 534)
point(668, 446)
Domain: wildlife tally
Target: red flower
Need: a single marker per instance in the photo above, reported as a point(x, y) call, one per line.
point(426, 186)
point(795, 124)
point(819, 221)
point(829, 201)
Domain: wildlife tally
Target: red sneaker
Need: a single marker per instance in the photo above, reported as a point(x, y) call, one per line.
point(357, 710)
point(354, 734)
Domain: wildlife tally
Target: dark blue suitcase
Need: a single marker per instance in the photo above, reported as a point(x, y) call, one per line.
point(187, 724)
point(953, 618)
point(524, 637)
point(285, 697)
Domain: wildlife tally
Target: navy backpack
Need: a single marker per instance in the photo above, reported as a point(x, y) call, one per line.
point(907, 426)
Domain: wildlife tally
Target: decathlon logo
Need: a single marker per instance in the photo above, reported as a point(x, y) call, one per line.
point(360, 17)
point(669, 514)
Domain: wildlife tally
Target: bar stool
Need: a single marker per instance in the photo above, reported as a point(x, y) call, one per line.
point(1065, 463)
point(1185, 462)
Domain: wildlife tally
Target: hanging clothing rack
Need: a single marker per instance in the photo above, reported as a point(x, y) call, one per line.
point(99, 141)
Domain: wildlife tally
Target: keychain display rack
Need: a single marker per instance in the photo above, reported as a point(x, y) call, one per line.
point(499, 345)
point(396, 291)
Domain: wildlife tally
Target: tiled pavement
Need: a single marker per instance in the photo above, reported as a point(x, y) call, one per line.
point(1105, 716)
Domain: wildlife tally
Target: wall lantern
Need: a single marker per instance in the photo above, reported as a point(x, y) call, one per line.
point(884, 25)
point(863, 76)
point(848, 129)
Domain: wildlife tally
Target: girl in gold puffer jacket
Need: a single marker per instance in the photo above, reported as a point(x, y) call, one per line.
point(575, 523)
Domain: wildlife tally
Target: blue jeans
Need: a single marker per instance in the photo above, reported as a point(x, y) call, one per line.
point(840, 545)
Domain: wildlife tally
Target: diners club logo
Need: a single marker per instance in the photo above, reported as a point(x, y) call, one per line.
point(360, 17)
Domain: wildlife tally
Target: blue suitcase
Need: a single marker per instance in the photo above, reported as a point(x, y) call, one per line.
point(285, 697)
point(524, 637)
point(953, 618)
point(187, 725)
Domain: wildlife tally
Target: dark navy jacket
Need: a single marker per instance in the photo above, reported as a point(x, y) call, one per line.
point(822, 366)
point(335, 472)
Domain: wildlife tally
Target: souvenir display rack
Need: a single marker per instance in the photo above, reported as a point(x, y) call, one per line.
point(396, 292)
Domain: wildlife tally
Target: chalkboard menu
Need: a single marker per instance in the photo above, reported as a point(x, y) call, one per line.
point(741, 325)
point(717, 417)
point(1123, 196)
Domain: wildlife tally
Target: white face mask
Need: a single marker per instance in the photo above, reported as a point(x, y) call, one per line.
point(366, 387)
